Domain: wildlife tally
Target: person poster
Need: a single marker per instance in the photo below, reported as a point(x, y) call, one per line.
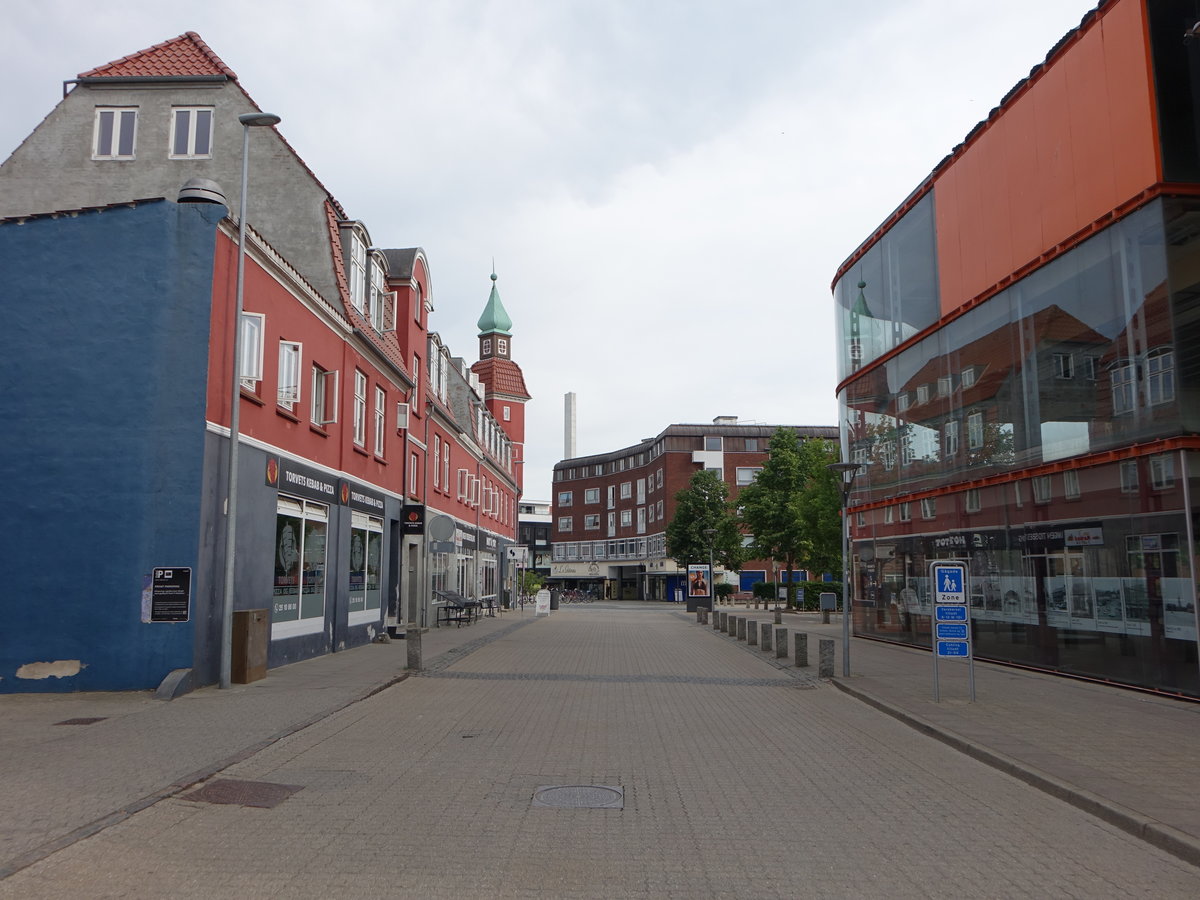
point(699, 581)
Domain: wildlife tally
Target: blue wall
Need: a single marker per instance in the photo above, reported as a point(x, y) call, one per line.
point(105, 323)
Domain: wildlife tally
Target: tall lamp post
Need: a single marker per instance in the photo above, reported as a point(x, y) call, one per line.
point(711, 533)
point(846, 472)
point(248, 120)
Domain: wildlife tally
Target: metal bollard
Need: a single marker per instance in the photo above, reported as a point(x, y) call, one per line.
point(731, 628)
point(801, 650)
point(781, 643)
point(716, 619)
point(825, 666)
point(741, 628)
point(752, 633)
point(765, 643)
point(412, 638)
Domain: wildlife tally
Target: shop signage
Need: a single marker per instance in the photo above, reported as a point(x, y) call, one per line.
point(302, 481)
point(361, 499)
point(412, 520)
point(170, 595)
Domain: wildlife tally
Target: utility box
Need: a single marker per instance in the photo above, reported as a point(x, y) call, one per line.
point(251, 636)
point(828, 601)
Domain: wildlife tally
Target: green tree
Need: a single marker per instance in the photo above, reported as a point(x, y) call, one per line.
point(787, 507)
point(704, 504)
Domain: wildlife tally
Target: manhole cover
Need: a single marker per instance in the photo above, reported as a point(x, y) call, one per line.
point(580, 796)
point(84, 721)
point(261, 794)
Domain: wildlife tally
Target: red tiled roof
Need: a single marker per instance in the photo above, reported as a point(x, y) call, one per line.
point(184, 55)
point(501, 376)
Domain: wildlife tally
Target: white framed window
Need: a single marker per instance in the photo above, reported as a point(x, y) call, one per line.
point(591, 495)
point(641, 520)
point(501, 346)
point(658, 477)
point(1042, 489)
point(191, 132)
point(115, 133)
point(418, 303)
point(713, 442)
point(929, 508)
point(626, 490)
point(416, 374)
point(888, 454)
point(651, 508)
point(251, 365)
point(1124, 387)
point(945, 385)
point(612, 524)
point(437, 455)
point(905, 511)
point(507, 412)
point(414, 474)
point(626, 518)
point(746, 474)
point(445, 467)
point(566, 523)
point(950, 437)
point(1160, 377)
point(566, 498)
point(378, 298)
point(464, 484)
point(967, 377)
point(358, 273)
point(889, 515)
point(975, 431)
point(591, 522)
point(923, 394)
point(401, 416)
point(288, 389)
point(660, 510)
point(486, 347)
point(1162, 472)
point(1071, 484)
point(974, 504)
point(380, 419)
point(612, 496)
point(324, 396)
point(1018, 495)
point(360, 408)
point(1064, 365)
point(641, 490)
point(902, 401)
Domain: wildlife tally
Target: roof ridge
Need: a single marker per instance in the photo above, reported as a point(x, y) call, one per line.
point(186, 54)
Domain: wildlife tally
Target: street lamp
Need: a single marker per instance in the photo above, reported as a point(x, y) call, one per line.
point(248, 120)
point(845, 471)
point(711, 533)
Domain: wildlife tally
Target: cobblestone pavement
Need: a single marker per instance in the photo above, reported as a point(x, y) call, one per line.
point(738, 778)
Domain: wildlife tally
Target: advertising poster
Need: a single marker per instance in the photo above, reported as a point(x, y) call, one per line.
point(699, 581)
point(1110, 608)
point(1179, 610)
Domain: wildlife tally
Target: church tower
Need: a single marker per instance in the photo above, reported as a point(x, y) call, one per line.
point(504, 384)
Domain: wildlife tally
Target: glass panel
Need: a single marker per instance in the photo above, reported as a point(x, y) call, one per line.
point(104, 134)
point(179, 146)
point(358, 569)
point(285, 603)
point(128, 127)
point(203, 132)
point(312, 602)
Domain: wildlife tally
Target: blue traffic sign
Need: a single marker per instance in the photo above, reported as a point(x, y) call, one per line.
point(951, 613)
point(953, 648)
point(949, 579)
point(954, 631)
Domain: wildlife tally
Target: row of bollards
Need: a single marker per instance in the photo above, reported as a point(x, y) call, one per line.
point(767, 636)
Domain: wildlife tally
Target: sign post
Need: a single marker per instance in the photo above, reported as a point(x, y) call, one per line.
point(951, 619)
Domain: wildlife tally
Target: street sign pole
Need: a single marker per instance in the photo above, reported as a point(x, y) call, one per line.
point(951, 619)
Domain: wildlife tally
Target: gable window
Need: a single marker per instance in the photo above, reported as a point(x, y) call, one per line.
point(945, 386)
point(1064, 365)
point(115, 133)
point(288, 390)
point(902, 401)
point(923, 394)
point(380, 418)
point(501, 346)
point(360, 408)
point(486, 347)
point(968, 377)
point(251, 364)
point(324, 396)
point(417, 303)
point(378, 296)
point(191, 133)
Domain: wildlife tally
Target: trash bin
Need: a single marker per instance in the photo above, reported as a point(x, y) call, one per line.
point(554, 599)
point(251, 633)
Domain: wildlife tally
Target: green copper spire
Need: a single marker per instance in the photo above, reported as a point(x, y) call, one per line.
point(495, 319)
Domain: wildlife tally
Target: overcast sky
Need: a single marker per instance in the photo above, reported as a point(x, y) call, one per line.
point(667, 186)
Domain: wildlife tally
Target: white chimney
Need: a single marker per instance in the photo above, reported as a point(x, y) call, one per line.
point(569, 426)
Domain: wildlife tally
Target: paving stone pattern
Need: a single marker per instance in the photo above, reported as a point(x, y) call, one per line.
point(426, 790)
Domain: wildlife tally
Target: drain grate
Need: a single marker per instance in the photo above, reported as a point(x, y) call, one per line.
point(87, 720)
point(580, 796)
point(261, 794)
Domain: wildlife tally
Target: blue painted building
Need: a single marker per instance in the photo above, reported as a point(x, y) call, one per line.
point(106, 324)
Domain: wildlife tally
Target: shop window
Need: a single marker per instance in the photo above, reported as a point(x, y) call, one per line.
point(366, 554)
point(298, 601)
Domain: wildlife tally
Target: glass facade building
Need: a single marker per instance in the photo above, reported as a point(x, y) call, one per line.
point(1042, 427)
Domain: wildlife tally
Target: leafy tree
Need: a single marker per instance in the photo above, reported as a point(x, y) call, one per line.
point(702, 505)
point(792, 508)
point(531, 582)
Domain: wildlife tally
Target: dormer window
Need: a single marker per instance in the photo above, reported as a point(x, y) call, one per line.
point(378, 296)
point(358, 273)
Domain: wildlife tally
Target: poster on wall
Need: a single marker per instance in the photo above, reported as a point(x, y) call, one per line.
point(1110, 609)
point(1179, 609)
point(167, 595)
point(1056, 601)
